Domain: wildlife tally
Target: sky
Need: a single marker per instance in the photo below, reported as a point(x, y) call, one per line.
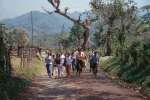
point(13, 8)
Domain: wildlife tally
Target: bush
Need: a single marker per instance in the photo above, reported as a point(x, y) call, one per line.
point(11, 86)
point(132, 65)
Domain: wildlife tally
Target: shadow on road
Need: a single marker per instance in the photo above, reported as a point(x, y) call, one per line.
point(85, 88)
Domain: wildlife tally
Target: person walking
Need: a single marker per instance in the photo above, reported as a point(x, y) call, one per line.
point(95, 62)
point(80, 62)
point(57, 66)
point(84, 59)
point(53, 64)
point(62, 64)
point(74, 61)
point(90, 58)
point(48, 61)
point(68, 60)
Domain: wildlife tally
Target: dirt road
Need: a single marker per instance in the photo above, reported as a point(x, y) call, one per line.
point(85, 88)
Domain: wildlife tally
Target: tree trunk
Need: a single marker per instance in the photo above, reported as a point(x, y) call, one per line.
point(108, 38)
point(108, 49)
point(85, 24)
point(2, 52)
point(86, 37)
point(5, 65)
point(108, 44)
point(8, 61)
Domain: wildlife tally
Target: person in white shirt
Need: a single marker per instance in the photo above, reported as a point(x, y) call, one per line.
point(74, 62)
point(68, 63)
point(62, 61)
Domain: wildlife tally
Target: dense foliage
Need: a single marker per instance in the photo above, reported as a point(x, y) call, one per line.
point(5, 68)
point(134, 65)
point(135, 62)
point(127, 37)
point(11, 85)
point(72, 39)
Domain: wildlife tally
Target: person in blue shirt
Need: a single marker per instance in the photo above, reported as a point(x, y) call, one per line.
point(48, 61)
point(94, 62)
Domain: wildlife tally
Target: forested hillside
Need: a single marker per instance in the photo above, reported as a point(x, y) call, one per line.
point(43, 23)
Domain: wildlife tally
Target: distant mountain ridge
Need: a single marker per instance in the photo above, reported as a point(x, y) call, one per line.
point(42, 22)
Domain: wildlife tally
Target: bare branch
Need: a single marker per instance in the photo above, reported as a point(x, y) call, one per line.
point(58, 3)
point(52, 3)
point(66, 10)
point(55, 3)
point(85, 24)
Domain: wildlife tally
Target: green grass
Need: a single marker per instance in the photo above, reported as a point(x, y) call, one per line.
point(128, 74)
point(146, 86)
point(28, 71)
point(110, 65)
point(33, 70)
point(11, 86)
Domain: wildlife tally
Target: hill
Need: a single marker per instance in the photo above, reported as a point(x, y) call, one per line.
point(42, 22)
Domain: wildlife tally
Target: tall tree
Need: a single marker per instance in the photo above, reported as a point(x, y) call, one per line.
point(99, 36)
point(118, 15)
point(5, 65)
point(21, 37)
point(86, 24)
point(63, 41)
point(76, 36)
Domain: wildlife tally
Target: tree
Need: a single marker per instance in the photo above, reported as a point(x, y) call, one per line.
point(72, 39)
point(5, 65)
point(99, 36)
point(86, 24)
point(76, 35)
point(105, 13)
point(118, 16)
point(22, 37)
point(63, 41)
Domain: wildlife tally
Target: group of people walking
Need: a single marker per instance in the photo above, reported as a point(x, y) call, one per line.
point(72, 62)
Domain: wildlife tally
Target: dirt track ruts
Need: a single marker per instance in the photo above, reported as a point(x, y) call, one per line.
point(85, 88)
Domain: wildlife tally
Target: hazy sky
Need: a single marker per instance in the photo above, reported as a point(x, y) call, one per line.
point(13, 8)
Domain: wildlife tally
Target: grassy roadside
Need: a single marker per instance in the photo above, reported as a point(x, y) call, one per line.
point(11, 86)
point(27, 72)
point(113, 67)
